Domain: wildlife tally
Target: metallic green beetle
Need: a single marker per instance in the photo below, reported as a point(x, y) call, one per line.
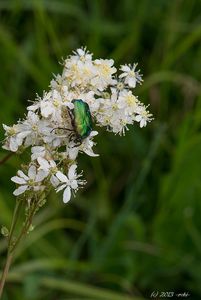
point(81, 120)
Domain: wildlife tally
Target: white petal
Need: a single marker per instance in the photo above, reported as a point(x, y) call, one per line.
point(32, 117)
point(70, 105)
point(138, 118)
point(122, 75)
point(33, 107)
point(5, 127)
point(61, 187)
point(41, 175)
point(93, 133)
point(80, 51)
point(132, 82)
point(66, 195)
point(32, 172)
point(46, 109)
point(110, 62)
point(143, 123)
point(125, 68)
point(52, 163)
point(90, 152)
point(61, 177)
point(20, 190)
point(72, 171)
point(21, 174)
point(19, 140)
point(43, 163)
point(73, 152)
point(18, 180)
point(74, 184)
point(54, 181)
point(37, 149)
point(22, 135)
point(13, 144)
point(34, 156)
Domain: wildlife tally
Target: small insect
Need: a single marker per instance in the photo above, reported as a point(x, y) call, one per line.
point(81, 120)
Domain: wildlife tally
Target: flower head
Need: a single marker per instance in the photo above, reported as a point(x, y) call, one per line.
point(69, 183)
point(130, 75)
point(56, 137)
point(31, 181)
point(143, 116)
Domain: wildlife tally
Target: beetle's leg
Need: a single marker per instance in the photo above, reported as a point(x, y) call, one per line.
point(71, 137)
point(71, 115)
point(78, 142)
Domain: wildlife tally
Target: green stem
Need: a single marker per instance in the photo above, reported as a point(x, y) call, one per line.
point(9, 253)
point(14, 221)
point(11, 248)
point(5, 272)
point(25, 228)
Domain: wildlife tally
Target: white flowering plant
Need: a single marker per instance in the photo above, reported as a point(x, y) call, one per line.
point(49, 131)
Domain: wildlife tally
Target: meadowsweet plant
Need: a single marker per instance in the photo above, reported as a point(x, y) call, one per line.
point(58, 126)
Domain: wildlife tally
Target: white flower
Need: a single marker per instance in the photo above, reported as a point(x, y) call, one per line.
point(69, 183)
point(14, 138)
point(37, 151)
point(128, 102)
point(112, 114)
point(130, 75)
point(32, 181)
point(34, 129)
point(82, 54)
point(49, 167)
point(90, 99)
point(50, 106)
point(143, 116)
point(86, 147)
point(79, 69)
point(103, 73)
point(51, 124)
point(36, 104)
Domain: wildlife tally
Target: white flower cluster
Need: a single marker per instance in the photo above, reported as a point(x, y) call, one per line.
point(48, 126)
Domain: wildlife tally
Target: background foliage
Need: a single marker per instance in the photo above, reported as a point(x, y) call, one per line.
point(136, 226)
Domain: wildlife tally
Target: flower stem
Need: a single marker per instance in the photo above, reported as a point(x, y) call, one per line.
point(24, 230)
point(9, 253)
point(14, 221)
point(12, 244)
point(5, 272)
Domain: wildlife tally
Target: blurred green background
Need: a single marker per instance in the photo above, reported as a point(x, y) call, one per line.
point(136, 227)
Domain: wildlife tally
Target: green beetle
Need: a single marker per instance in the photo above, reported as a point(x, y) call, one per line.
point(81, 120)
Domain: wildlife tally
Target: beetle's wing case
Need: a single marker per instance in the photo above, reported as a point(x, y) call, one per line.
point(82, 118)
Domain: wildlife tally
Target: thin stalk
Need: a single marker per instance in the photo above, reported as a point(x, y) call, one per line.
point(5, 272)
point(14, 221)
point(25, 228)
point(9, 253)
point(11, 248)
